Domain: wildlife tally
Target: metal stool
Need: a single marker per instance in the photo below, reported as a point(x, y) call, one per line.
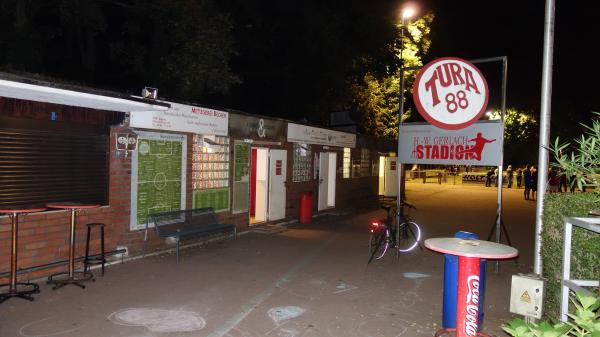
point(94, 259)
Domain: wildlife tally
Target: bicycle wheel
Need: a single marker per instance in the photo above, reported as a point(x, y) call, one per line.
point(409, 236)
point(378, 245)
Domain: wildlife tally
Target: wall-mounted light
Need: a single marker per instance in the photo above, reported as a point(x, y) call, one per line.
point(150, 93)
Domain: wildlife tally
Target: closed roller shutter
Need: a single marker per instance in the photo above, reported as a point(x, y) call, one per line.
point(44, 162)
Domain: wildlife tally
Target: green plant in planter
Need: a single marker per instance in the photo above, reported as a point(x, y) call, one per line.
point(585, 322)
point(582, 164)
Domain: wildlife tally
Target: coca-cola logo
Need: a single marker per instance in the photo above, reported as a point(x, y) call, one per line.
point(472, 309)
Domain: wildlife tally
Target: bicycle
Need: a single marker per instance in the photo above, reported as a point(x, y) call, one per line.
point(403, 238)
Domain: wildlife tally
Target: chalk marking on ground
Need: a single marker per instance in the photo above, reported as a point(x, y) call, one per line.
point(279, 314)
point(379, 317)
point(343, 287)
point(45, 335)
point(159, 320)
point(415, 276)
point(260, 298)
point(287, 329)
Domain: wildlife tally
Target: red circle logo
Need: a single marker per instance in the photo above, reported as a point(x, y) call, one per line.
point(450, 93)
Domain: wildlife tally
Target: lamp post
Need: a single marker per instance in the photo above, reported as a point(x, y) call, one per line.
point(406, 12)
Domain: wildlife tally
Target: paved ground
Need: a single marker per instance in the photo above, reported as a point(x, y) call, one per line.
point(310, 281)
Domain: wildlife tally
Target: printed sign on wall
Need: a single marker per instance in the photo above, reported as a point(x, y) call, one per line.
point(450, 93)
point(252, 127)
point(479, 144)
point(158, 176)
point(299, 133)
point(183, 118)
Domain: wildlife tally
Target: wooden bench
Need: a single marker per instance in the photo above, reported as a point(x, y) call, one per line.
point(185, 224)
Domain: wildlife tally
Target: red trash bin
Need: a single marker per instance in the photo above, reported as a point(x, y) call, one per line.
point(305, 208)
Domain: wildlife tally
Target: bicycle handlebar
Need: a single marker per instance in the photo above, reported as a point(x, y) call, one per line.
point(404, 203)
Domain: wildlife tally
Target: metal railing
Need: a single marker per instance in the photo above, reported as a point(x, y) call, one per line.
point(591, 224)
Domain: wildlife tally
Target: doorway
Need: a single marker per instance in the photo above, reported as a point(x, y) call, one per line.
point(327, 169)
point(267, 185)
point(388, 176)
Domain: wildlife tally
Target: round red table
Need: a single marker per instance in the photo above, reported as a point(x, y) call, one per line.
point(18, 289)
point(71, 277)
point(469, 253)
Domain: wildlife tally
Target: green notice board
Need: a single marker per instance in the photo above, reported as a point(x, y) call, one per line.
point(217, 198)
point(242, 161)
point(241, 176)
point(158, 176)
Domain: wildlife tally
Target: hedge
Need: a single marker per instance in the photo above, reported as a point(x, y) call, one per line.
point(585, 256)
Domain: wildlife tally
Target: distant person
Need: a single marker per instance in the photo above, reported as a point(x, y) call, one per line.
point(534, 185)
point(553, 180)
point(496, 177)
point(509, 176)
point(562, 176)
point(519, 177)
point(527, 181)
point(572, 184)
point(488, 177)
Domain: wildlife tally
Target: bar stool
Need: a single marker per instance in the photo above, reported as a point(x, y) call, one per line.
point(94, 260)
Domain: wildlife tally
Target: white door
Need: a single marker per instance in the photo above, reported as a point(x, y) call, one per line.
point(391, 176)
point(327, 166)
point(277, 178)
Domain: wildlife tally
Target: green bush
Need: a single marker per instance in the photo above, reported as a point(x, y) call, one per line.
point(585, 256)
point(582, 164)
point(585, 322)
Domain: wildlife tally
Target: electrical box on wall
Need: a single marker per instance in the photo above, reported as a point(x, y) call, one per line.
point(527, 295)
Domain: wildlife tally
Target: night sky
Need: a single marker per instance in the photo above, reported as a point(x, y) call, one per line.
point(478, 29)
point(294, 59)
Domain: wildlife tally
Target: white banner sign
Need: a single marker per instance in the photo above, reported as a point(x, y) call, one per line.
point(183, 118)
point(299, 133)
point(479, 144)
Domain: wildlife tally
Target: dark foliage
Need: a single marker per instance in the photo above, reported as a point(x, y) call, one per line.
point(181, 46)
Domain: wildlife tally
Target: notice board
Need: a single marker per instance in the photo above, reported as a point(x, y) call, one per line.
point(241, 177)
point(217, 198)
point(158, 172)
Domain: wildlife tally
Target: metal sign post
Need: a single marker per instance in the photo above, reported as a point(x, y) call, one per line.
point(465, 77)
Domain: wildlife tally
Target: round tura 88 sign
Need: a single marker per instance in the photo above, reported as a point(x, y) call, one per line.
point(450, 93)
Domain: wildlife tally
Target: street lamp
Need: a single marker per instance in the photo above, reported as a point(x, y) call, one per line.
point(407, 12)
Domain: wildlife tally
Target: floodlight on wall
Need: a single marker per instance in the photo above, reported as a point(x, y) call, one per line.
point(126, 142)
point(150, 93)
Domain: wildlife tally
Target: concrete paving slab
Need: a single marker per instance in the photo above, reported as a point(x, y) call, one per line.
point(309, 281)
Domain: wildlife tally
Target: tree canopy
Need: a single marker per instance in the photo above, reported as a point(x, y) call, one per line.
point(520, 136)
point(378, 96)
point(183, 47)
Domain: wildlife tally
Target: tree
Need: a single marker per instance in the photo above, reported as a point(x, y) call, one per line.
point(298, 60)
point(520, 135)
point(378, 96)
point(181, 46)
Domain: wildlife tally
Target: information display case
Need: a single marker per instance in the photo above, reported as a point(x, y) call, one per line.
point(210, 172)
point(302, 166)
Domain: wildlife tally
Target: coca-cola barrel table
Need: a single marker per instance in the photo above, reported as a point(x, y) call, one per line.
point(469, 253)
